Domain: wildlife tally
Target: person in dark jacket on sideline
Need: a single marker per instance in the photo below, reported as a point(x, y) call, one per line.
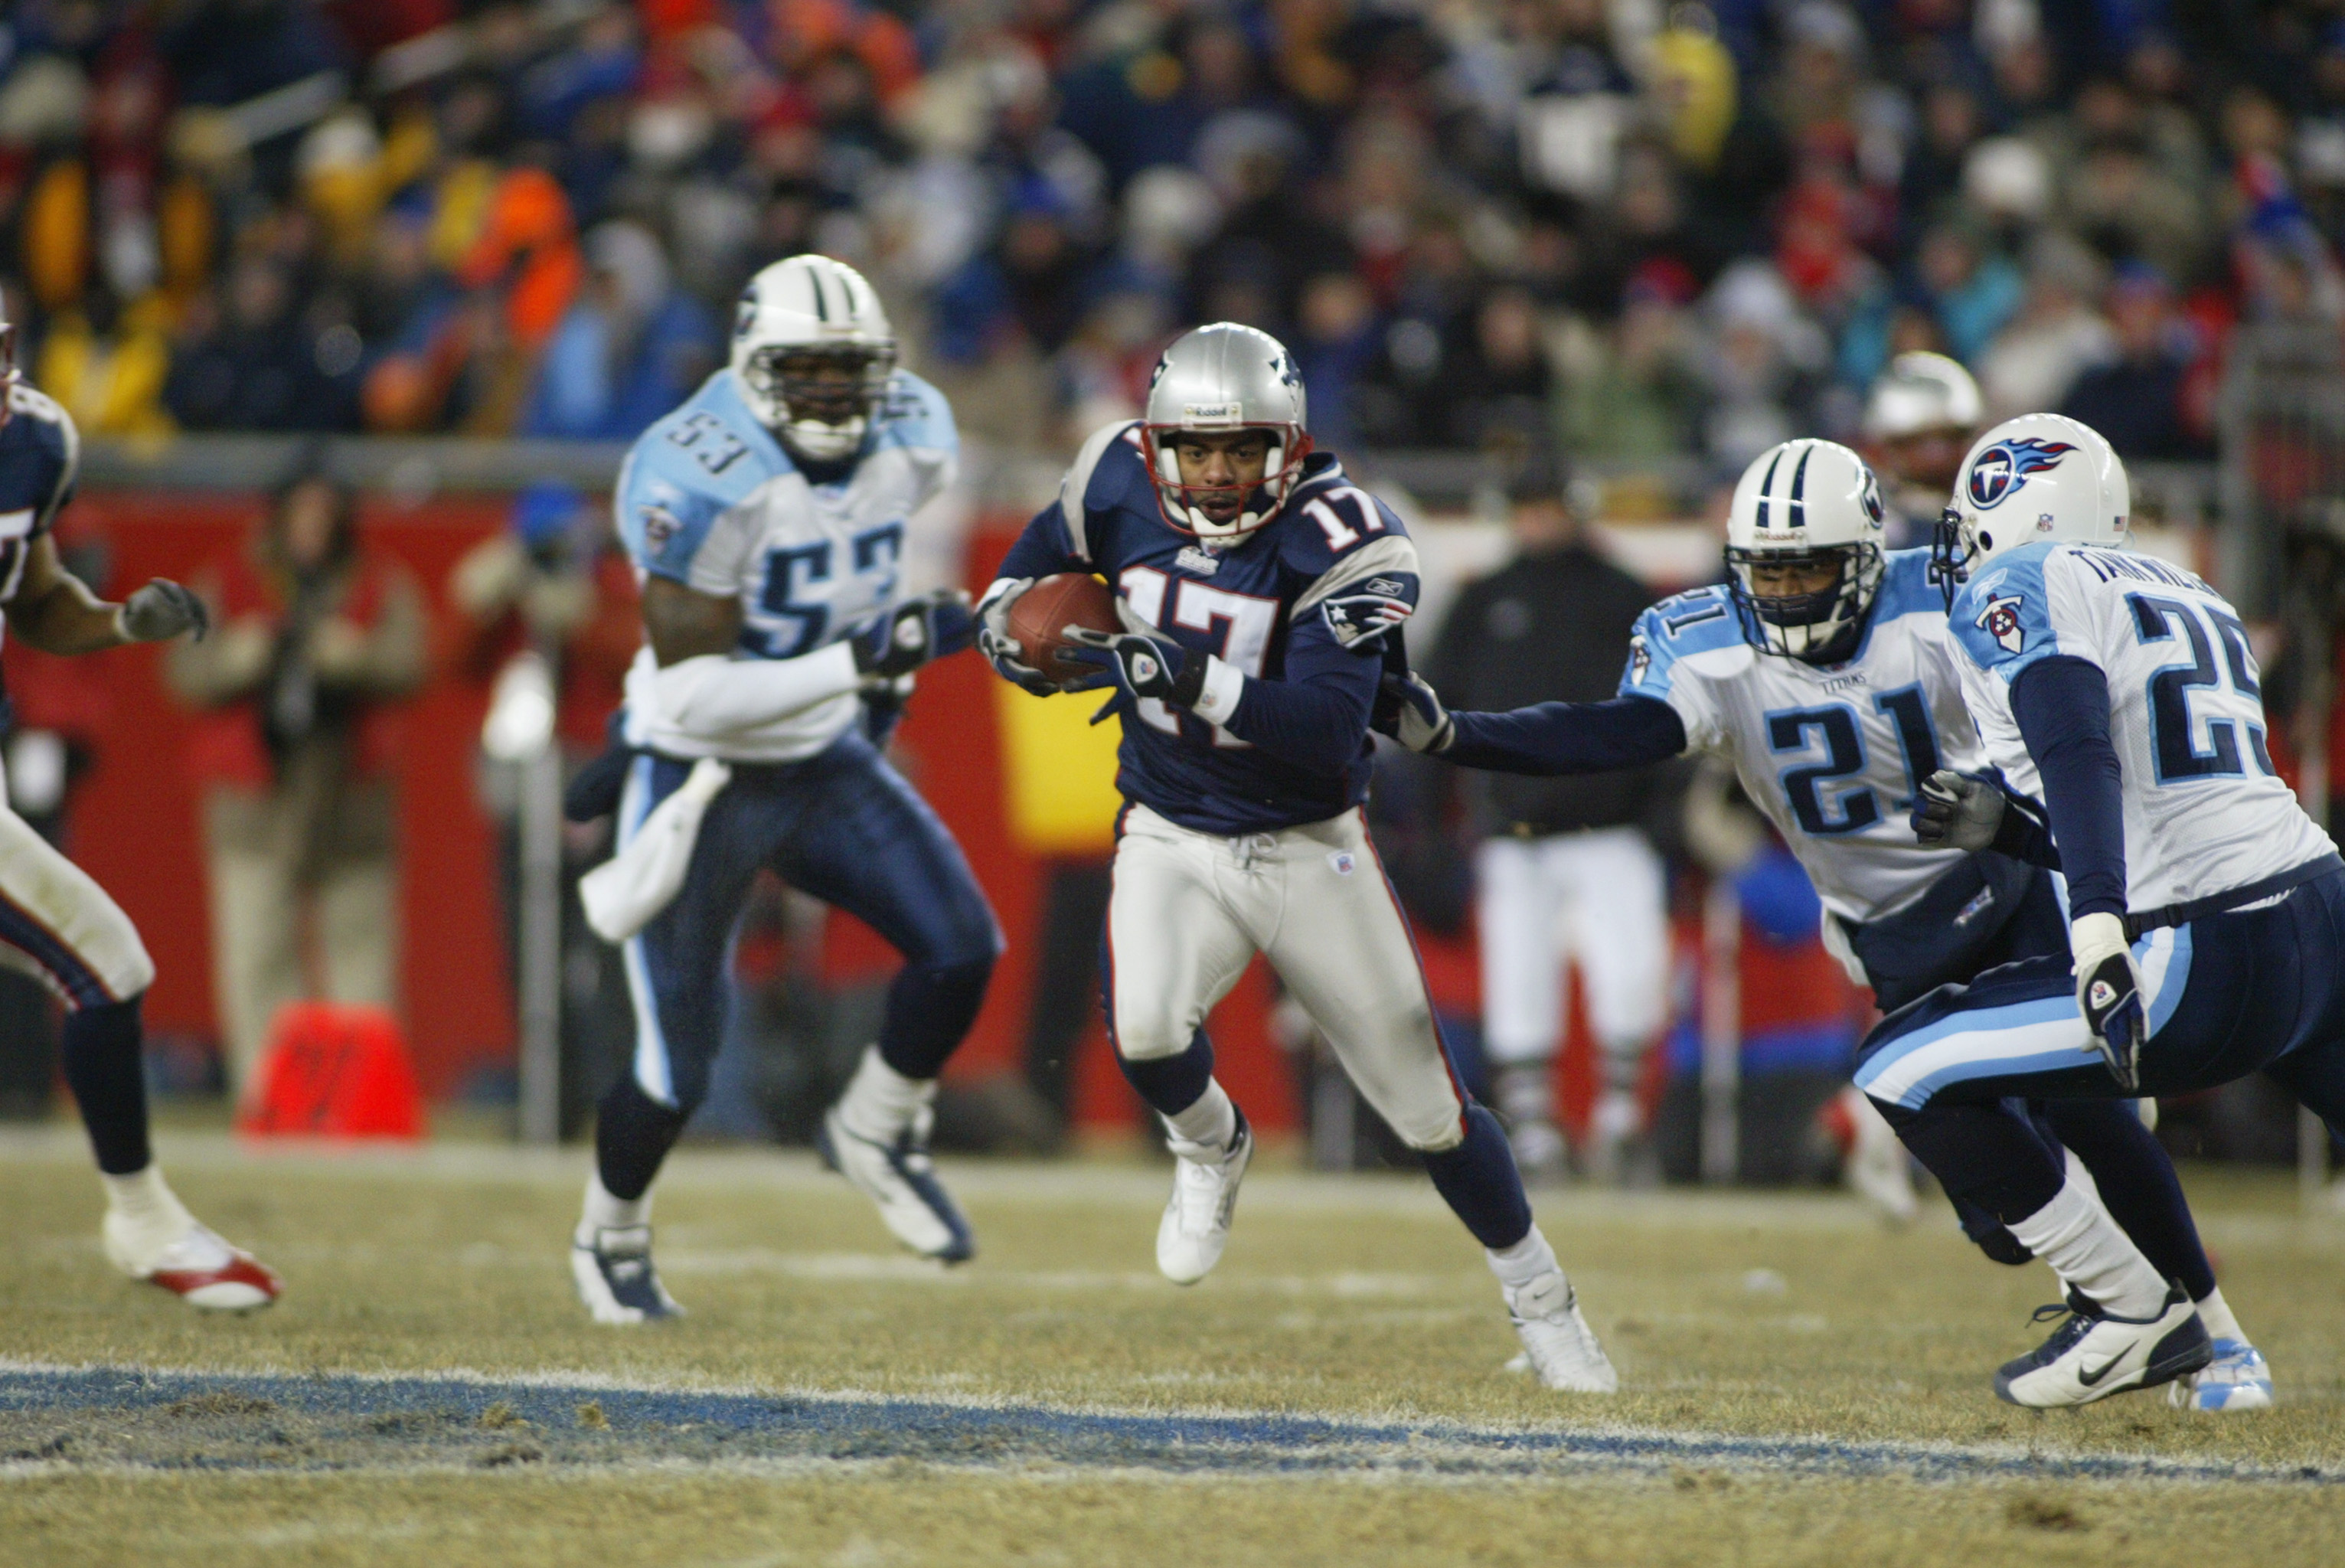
point(1564, 867)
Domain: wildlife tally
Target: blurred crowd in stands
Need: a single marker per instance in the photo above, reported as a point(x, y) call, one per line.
point(1650, 231)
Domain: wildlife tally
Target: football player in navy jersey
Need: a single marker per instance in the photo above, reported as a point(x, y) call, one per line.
point(59, 923)
point(1261, 591)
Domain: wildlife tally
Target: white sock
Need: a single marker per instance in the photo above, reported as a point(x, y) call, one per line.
point(1525, 1261)
point(2076, 1236)
point(603, 1211)
point(1211, 1121)
point(880, 1101)
point(144, 1210)
point(2216, 1313)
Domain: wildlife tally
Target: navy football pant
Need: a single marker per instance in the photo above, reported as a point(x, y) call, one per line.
point(844, 826)
point(2249, 990)
point(2128, 1164)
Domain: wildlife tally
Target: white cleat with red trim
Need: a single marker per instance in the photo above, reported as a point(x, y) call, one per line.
point(198, 1268)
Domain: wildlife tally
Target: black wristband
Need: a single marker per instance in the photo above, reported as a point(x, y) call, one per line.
point(1190, 683)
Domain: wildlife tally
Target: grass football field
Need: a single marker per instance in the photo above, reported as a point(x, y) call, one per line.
point(1799, 1385)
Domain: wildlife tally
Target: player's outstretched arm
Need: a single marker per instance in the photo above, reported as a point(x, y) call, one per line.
point(704, 691)
point(55, 612)
point(1548, 738)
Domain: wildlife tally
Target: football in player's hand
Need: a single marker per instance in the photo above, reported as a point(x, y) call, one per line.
point(1041, 616)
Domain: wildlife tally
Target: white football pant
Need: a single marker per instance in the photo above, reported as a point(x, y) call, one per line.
point(1190, 911)
point(59, 926)
point(1600, 897)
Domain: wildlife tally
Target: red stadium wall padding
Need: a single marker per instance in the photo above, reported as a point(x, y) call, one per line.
point(134, 824)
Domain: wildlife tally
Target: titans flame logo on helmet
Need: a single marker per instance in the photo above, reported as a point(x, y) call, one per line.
point(2002, 467)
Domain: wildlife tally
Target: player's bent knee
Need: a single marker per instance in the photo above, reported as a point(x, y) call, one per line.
point(118, 961)
point(1427, 1143)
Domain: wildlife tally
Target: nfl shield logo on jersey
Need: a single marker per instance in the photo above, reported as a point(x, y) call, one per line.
point(2000, 620)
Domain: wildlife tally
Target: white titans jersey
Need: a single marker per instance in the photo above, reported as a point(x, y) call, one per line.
point(1833, 754)
point(709, 499)
point(2205, 810)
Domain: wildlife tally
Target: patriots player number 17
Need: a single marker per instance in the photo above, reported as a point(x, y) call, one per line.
point(1260, 590)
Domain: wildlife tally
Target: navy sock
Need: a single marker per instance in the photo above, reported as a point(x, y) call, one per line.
point(1987, 1155)
point(1479, 1181)
point(929, 1010)
point(103, 1047)
point(1171, 1085)
point(633, 1134)
point(2137, 1185)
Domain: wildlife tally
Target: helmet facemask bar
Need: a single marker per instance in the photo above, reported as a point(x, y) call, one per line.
point(9, 374)
point(1822, 625)
point(825, 415)
point(1176, 498)
point(1951, 549)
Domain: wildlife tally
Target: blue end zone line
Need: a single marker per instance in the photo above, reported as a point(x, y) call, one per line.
point(859, 1427)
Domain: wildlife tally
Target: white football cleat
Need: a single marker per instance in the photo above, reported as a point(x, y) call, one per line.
point(902, 1180)
point(613, 1269)
point(198, 1268)
point(1558, 1343)
point(1614, 1123)
point(2097, 1353)
point(2237, 1379)
point(1196, 1223)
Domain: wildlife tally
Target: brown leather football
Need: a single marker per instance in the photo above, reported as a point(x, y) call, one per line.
point(1042, 613)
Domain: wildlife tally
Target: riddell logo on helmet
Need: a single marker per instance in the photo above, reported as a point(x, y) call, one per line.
point(2001, 467)
point(1212, 413)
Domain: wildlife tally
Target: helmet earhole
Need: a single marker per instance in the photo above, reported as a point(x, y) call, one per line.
point(1986, 540)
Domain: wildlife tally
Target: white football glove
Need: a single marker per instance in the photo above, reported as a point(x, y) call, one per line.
point(2108, 993)
point(1000, 648)
point(1416, 719)
point(1956, 811)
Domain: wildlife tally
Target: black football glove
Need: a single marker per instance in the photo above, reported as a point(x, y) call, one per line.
point(915, 632)
point(1955, 812)
point(1141, 666)
point(161, 610)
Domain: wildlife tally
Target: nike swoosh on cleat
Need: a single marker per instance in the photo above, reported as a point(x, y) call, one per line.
point(2091, 1377)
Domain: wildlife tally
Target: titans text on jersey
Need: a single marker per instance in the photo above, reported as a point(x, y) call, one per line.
point(2205, 810)
point(1275, 606)
point(710, 499)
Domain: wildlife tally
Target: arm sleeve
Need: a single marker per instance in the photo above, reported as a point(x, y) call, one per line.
point(1558, 737)
point(2062, 705)
point(1315, 717)
point(712, 696)
point(1044, 549)
point(2021, 836)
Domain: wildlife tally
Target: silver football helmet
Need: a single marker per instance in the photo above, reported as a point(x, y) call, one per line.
point(1220, 378)
point(799, 324)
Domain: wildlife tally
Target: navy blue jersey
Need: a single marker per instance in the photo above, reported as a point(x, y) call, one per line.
point(39, 457)
point(1301, 608)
